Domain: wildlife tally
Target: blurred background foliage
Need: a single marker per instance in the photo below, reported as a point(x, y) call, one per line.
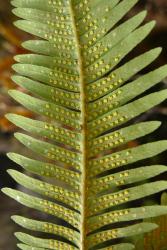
point(10, 44)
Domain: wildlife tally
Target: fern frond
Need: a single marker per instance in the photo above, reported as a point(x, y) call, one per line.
point(78, 81)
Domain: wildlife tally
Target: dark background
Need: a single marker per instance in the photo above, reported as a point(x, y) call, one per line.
point(10, 40)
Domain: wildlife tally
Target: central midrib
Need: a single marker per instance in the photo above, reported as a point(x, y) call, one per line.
point(83, 229)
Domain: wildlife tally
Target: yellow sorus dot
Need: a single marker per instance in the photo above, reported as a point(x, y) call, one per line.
point(116, 59)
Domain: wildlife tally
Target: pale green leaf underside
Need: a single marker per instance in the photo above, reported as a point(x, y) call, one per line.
point(43, 243)
point(70, 198)
point(42, 226)
point(78, 83)
point(47, 169)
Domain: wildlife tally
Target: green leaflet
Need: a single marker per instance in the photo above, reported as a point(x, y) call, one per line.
point(123, 246)
point(121, 136)
point(46, 206)
point(94, 8)
point(44, 31)
point(50, 151)
point(47, 169)
point(125, 215)
point(39, 16)
point(120, 232)
point(111, 17)
point(61, 114)
point(84, 94)
point(55, 95)
point(47, 243)
point(25, 247)
point(114, 37)
point(122, 95)
point(49, 62)
point(109, 200)
point(42, 226)
point(126, 177)
point(121, 74)
point(70, 198)
point(117, 53)
point(125, 113)
point(48, 48)
point(47, 130)
point(48, 76)
point(37, 4)
point(126, 156)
